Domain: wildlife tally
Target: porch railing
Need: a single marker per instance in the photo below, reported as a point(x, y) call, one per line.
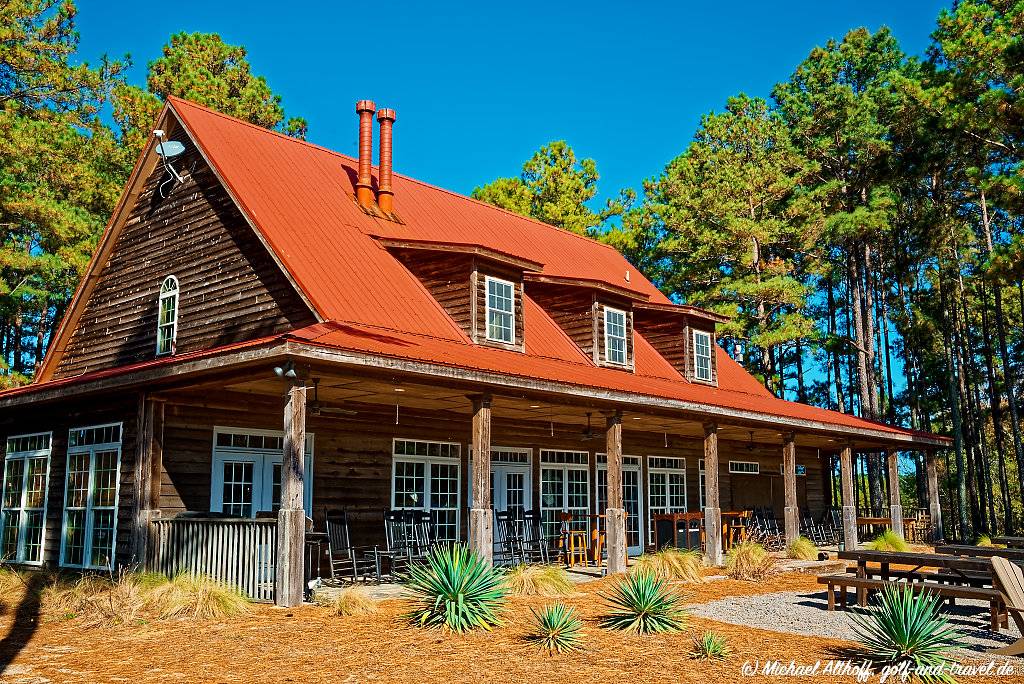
point(238, 552)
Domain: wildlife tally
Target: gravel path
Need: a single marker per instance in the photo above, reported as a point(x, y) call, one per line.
point(807, 613)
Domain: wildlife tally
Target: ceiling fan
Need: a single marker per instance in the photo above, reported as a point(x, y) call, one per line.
point(588, 432)
point(317, 409)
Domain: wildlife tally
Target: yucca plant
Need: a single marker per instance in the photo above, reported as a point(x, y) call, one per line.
point(710, 646)
point(802, 548)
point(672, 564)
point(457, 589)
point(539, 580)
point(557, 628)
point(643, 603)
point(888, 541)
point(904, 627)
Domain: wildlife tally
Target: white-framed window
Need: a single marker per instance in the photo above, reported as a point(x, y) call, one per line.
point(91, 488)
point(615, 335)
point(666, 486)
point(425, 477)
point(564, 488)
point(744, 467)
point(702, 491)
point(501, 310)
point(702, 355)
point(246, 475)
point(632, 495)
point(167, 316)
point(23, 511)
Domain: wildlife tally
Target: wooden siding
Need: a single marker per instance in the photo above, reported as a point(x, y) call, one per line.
point(447, 278)
point(672, 337)
point(690, 373)
point(572, 310)
point(230, 287)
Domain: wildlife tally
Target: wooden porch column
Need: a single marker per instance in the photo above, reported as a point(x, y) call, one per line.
point(792, 512)
point(481, 517)
point(148, 471)
point(615, 515)
point(291, 518)
point(848, 499)
point(895, 505)
point(934, 504)
point(712, 511)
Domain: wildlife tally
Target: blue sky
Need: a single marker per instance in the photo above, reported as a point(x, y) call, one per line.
point(479, 86)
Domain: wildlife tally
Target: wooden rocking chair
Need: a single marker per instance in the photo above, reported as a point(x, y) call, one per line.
point(1009, 580)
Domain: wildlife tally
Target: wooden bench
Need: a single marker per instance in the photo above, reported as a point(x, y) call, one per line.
point(838, 584)
point(971, 578)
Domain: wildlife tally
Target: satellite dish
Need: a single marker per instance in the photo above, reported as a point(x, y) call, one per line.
point(170, 149)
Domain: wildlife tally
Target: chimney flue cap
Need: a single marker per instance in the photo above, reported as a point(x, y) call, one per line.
point(386, 114)
point(365, 106)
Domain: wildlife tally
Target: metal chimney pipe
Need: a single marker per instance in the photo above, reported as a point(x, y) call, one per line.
point(364, 187)
point(385, 194)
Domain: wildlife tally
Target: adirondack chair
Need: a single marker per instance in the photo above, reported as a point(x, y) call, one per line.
point(1010, 582)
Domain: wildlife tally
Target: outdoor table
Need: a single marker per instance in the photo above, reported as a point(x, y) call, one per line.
point(675, 519)
point(869, 521)
point(1012, 542)
point(958, 566)
point(1016, 555)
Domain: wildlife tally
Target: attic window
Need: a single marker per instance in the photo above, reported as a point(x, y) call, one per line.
point(167, 320)
point(501, 324)
point(702, 355)
point(615, 336)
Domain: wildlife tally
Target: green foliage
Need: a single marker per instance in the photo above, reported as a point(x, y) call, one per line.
point(457, 589)
point(710, 646)
point(802, 549)
point(539, 580)
point(643, 603)
point(902, 627)
point(888, 541)
point(749, 561)
point(557, 628)
point(672, 564)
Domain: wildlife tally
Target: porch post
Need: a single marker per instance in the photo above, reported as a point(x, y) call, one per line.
point(792, 512)
point(615, 515)
point(934, 504)
point(895, 506)
point(148, 472)
point(849, 502)
point(712, 512)
point(291, 518)
point(481, 517)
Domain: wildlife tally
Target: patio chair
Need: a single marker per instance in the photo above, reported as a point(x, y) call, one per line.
point(535, 546)
point(1009, 580)
point(509, 538)
point(349, 564)
point(400, 541)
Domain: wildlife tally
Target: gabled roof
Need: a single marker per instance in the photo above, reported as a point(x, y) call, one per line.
point(299, 197)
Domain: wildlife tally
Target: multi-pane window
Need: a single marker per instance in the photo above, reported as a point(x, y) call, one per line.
point(246, 477)
point(564, 488)
point(631, 496)
point(615, 335)
point(666, 486)
point(23, 513)
point(90, 496)
point(744, 467)
point(425, 476)
point(501, 323)
point(702, 355)
point(167, 316)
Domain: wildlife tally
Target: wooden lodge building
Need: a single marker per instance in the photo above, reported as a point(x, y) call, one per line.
point(270, 326)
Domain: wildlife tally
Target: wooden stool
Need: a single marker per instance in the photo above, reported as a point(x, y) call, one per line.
point(574, 545)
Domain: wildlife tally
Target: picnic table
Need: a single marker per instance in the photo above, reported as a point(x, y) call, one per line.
point(1012, 542)
point(1016, 555)
point(955, 566)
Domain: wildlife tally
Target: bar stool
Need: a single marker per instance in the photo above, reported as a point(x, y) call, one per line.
point(574, 542)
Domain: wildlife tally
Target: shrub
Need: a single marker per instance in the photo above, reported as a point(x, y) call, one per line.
point(198, 597)
point(710, 646)
point(672, 564)
point(349, 601)
point(904, 628)
point(888, 541)
point(99, 601)
point(985, 540)
point(557, 628)
point(802, 549)
point(539, 580)
point(456, 589)
point(643, 603)
point(749, 561)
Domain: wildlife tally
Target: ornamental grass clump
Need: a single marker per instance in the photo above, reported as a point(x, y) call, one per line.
point(672, 564)
point(457, 589)
point(710, 646)
point(802, 549)
point(557, 628)
point(197, 597)
point(642, 602)
point(888, 541)
point(101, 601)
point(749, 561)
point(986, 541)
point(539, 580)
point(349, 601)
point(904, 628)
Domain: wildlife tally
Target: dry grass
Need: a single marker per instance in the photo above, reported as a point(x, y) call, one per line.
point(199, 598)
point(350, 601)
point(802, 549)
point(672, 564)
point(98, 601)
point(13, 583)
point(539, 580)
point(749, 561)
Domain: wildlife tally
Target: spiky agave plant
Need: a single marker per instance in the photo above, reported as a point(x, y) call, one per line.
point(557, 628)
point(457, 589)
point(643, 603)
point(710, 646)
point(904, 627)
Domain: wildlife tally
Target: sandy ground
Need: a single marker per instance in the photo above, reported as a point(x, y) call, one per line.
point(310, 645)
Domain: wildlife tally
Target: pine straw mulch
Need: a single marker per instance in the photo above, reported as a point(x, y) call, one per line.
point(309, 645)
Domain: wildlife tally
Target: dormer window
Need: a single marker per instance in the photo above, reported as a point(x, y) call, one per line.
point(702, 356)
point(167, 318)
point(501, 323)
point(615, 336)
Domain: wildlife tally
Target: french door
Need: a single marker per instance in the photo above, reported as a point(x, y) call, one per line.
point(246, 476)
point(564, 488)
point(632, 495)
